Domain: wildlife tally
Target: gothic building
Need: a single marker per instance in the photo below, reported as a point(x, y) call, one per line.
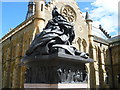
point(102, 73)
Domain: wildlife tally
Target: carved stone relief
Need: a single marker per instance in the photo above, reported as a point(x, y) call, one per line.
point(72, 76)
point(68, 13)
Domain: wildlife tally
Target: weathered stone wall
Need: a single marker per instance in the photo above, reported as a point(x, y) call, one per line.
point(100, 53)
point(13, 49)
point(115, 51)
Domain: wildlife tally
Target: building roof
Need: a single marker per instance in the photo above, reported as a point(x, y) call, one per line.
point(17, 29)
point(97, 32)
point(114, 39)
point(104, 32)
point(100, 40)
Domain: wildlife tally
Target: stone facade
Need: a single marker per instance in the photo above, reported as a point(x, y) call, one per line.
point(113, 62)
point(17, 41)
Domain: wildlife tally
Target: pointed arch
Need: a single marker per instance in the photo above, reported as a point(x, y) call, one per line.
point(79, 43)
point(84, 43)
point(96, 53)
point(100, 67)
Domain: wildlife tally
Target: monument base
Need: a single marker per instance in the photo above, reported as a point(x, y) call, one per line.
point(56, 86)
point(56, 68)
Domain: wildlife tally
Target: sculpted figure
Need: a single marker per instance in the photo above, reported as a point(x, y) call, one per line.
point(77, 76)
point(56, 36)
point(70, 77)
point(62, 75)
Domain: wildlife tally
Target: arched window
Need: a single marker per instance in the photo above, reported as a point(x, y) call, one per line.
point(104, 54)
point(96, 50)
point(84, 43)
point(41, 7)
point(79, 43)
point(99, 55)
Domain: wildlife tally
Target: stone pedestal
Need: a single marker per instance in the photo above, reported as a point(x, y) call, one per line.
point(58, 70)
point(55, 86)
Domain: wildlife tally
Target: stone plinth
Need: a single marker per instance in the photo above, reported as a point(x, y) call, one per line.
point(60, 86)
point(56, 56)
point(56, 70)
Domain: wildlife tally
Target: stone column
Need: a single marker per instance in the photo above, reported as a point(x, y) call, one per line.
point(16, 76)
point(103, 67)
point(101, 77)
point(92, 77)
point(23, 70)
point(96, 66)
point(5, 81)
point(11, 63)
point(7, 68)
point(17, 69)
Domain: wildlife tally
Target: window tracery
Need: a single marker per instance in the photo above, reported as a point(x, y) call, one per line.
point(68, 13)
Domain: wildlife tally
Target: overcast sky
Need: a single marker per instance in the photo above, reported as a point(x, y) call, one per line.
point(104, 12)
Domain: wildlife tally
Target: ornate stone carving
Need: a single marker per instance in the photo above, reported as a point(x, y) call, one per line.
point(72, 76)
point(68, 13)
